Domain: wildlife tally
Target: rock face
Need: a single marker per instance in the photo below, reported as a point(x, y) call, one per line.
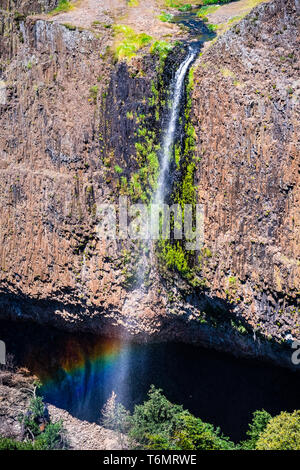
point(16, 391)
point(67, 121)
point(70, 121)
point(246, 109)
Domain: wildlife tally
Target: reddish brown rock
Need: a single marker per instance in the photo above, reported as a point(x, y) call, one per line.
point(246, 113)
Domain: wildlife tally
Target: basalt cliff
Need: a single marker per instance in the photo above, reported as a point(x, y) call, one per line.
point(80, 126)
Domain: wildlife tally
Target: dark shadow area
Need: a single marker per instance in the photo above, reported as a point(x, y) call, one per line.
point(79, 372)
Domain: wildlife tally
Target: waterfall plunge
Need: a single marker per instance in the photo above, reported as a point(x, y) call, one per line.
point(169, 135)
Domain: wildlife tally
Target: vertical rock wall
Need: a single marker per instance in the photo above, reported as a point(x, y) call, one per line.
point(246, 110)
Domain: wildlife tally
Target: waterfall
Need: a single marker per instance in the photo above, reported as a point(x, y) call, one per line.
point(168, 140)
point(177, 88)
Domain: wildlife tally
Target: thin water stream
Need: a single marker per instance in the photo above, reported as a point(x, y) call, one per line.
point(199, 33)
point(177, 90)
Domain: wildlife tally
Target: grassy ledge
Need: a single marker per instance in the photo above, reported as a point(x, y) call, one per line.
point(63, 6)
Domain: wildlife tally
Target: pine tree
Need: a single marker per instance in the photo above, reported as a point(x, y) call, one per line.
point(115, 416)
point(108, 412)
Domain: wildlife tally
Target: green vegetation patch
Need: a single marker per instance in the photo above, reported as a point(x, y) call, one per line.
point(213, 2)
point(281, 433)
point(256, 427)
point(93, 93)
point(207, 10)
point(38, 430)
point(63, 6)
point(186, 191)
point(118, 169)
point(186, 7)
point(143, 183)
point(172, 254)
point(161, 48)
point(179, 4)
point(162, 425)
point(128, 42)
point(13, 444)
point(212, 27)
point(159, 424)
point(165, 17)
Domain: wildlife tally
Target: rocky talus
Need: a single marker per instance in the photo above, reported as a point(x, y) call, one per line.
point(16, 390)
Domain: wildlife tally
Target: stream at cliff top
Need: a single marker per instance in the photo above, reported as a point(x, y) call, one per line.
point(79, 372)
point(195, 26)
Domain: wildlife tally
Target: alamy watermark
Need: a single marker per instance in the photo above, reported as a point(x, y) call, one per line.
point(155, 222)
point(2, 92)
point(2, 353)
point(296, 354)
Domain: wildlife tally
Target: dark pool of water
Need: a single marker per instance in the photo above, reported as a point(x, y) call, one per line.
point(79, 373)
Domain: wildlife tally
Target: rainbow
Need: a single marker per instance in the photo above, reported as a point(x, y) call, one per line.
point(80, 369)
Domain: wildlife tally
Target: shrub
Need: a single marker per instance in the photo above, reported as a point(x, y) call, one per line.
point(63, 5)
point(118, 169)
point(256, 427)
point(194, 434)
point(281, 433)
point(114, 415)
point(157, 415)
point(38, 428)
point(52, 438)
point(128, 41)
point(13, 444)
point(33, 416)
point(165, 17)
